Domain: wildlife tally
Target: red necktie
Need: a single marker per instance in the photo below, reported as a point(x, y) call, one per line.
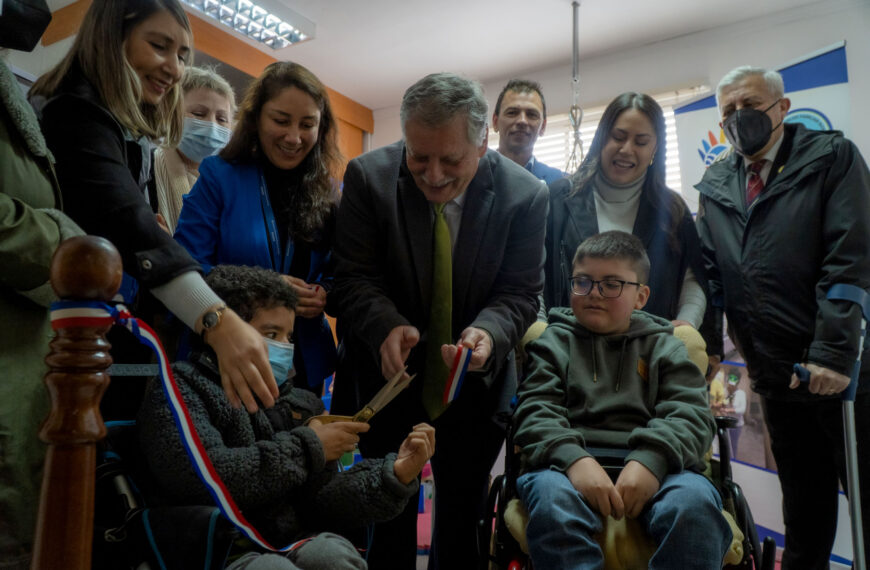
point(754, 184)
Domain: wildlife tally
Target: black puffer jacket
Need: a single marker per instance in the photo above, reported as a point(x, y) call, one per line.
point(771, 267)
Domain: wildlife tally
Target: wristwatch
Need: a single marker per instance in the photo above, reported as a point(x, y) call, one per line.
point(211, 319)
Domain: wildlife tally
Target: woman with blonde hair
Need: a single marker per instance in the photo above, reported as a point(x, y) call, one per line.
point(104, 107)
point(209, 106)
point(269, 199)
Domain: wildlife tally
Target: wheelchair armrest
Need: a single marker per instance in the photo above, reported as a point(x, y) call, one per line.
point(725, 422)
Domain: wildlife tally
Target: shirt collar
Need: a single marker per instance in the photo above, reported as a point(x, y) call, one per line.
point(530, 164)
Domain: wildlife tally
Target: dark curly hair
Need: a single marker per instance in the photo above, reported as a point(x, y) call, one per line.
point(247, 289)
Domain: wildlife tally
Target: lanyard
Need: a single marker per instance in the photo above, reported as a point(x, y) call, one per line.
point(279, 265)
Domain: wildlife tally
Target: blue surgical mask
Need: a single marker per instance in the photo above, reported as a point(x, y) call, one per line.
point(281, 359)
point(202, 138)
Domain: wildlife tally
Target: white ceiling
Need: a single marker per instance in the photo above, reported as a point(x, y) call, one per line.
point(372, 50)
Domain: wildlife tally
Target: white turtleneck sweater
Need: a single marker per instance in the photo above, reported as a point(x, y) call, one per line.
point(616, 209)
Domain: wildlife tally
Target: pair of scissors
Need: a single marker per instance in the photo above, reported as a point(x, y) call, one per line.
point(390, 390)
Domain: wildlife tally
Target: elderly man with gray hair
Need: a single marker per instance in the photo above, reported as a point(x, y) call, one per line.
point(783, 216)
point(439, 246)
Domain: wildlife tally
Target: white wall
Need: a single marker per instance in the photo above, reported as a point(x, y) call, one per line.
point(41, 59)
point(703, 58)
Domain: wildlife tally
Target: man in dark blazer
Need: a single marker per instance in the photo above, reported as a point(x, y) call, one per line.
point(495, 212)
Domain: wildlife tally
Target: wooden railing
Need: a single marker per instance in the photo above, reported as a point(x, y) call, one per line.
point(85, 268)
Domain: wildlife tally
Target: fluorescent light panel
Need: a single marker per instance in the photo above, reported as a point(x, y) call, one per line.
point(256, 22)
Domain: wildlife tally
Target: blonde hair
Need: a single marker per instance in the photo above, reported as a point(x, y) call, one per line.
point(207, 77)
point(99, 51)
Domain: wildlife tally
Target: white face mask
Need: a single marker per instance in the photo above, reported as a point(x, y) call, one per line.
point(202, 138)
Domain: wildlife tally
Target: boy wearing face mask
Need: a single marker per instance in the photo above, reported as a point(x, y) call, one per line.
point(783, 217)
point(281, 473)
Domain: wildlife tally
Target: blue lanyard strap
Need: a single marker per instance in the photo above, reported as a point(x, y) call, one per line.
point(278, 264)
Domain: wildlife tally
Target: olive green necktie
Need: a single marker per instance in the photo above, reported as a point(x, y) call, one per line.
point(440, 314)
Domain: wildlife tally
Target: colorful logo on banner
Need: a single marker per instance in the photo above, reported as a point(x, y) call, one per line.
point(711, 147)
point(812, 119)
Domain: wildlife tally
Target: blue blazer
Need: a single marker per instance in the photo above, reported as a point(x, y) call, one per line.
point(222, 222)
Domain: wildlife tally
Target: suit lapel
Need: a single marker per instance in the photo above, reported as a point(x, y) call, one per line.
point(480, 196)
point(415, 213)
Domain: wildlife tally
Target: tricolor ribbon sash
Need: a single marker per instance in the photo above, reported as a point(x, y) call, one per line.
point(457, 374)
point(67, 314)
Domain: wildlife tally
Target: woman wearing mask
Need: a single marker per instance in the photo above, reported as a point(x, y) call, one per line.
point(621, 186)
point(103, 107)
point(268, 199)
point(209, 106)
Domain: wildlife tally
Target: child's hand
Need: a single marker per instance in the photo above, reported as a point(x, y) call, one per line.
point(338, 438)
point(415, 451)
point(636, 485)
point(595, 485)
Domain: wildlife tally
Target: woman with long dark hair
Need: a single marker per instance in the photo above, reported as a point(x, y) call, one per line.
point(269, 199)
point(621, 186)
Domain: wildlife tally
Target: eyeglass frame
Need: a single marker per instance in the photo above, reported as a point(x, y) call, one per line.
point(594, 282)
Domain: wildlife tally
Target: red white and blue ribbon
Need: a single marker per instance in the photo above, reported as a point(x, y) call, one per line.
point(66, 314)
point(457, 374)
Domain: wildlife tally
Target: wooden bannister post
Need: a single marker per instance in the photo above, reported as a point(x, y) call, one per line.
point(85, 268)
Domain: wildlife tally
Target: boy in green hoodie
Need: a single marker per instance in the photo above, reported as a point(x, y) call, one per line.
point(606, 375)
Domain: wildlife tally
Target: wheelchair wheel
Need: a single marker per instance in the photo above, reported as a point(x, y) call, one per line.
point(499, 550)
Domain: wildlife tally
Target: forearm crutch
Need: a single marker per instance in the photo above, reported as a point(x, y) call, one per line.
point(843, 292)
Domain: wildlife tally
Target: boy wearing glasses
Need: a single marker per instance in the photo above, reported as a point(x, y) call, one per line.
point(606, 375)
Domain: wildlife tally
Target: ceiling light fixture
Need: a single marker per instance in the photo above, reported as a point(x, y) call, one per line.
point(257, 23)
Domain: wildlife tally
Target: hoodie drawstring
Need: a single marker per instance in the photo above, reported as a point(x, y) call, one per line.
point(619, 368)
point(621, 363)
point(594, 365)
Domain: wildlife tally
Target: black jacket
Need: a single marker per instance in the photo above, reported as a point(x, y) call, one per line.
point(572, 219)
point(103, 184)
point(771, 267)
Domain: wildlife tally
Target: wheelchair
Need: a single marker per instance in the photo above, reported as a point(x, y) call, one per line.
point(132, 530)
point(497, 529)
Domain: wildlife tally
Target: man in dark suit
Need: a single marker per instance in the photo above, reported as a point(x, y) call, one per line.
point(783, 217)
point(495, 213)
point(520, 117)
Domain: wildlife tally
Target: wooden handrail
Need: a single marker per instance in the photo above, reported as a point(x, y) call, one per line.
point(85, 268)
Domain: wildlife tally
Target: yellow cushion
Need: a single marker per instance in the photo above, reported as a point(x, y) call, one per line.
point(625, 544)
point(694, 344)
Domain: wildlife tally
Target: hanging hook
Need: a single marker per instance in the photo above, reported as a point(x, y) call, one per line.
point(576, 112)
